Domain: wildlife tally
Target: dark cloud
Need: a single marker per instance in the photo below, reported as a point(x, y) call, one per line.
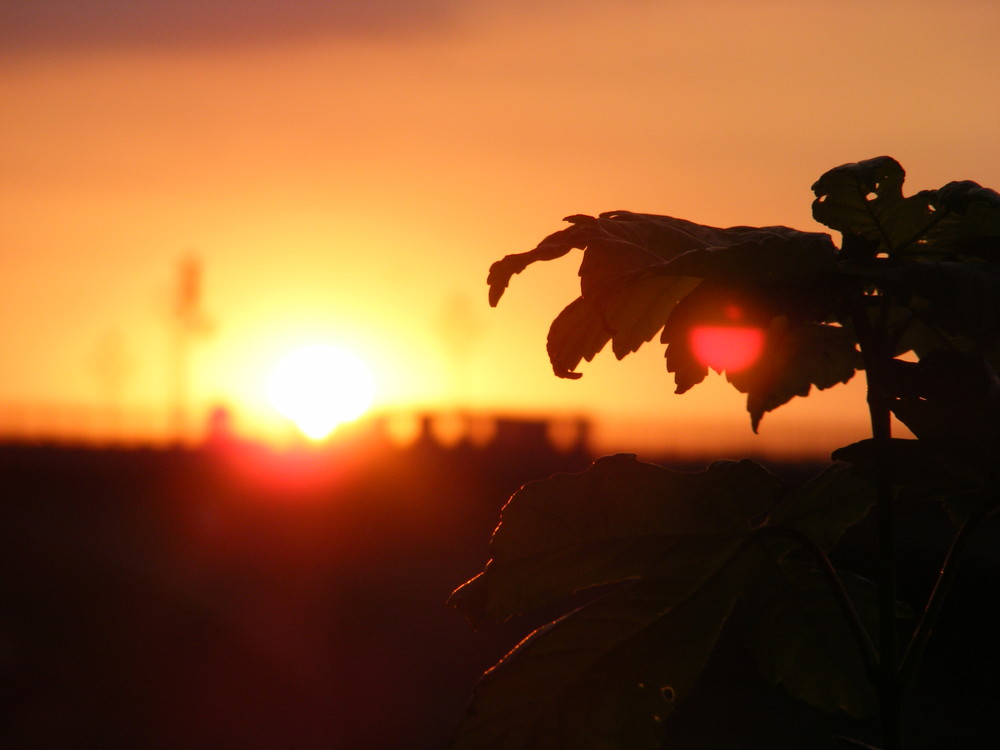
point(54, 25)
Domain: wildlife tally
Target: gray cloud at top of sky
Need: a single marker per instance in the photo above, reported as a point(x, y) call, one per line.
point(47, 26)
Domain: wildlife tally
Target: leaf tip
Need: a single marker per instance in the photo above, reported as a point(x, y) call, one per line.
point(471, 599)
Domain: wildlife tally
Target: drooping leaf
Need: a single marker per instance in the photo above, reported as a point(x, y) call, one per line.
point(636, 268)
point(578, 333)
point(629, 315)
point(795, 358)
point(554, 246)
point(800, 638)
point(710, 305)
point(604, 676)
point(617, 242)
point(950, 397)
point(779, 283)
point(865, 199)
point(682, 363)
point(619, 519)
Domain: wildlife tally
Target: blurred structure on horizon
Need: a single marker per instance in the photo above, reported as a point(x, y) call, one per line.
point(98, 427)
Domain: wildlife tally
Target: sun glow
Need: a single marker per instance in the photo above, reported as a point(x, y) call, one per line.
point(730, 346)
point(320, 387)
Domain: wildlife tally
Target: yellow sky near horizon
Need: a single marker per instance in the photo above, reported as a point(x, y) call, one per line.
point(353, 188)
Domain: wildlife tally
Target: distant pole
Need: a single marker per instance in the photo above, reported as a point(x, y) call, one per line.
point(190, 323)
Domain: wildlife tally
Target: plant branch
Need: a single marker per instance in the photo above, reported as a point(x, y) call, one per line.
point(877, 356)
point(928, 619)
point(861, 638)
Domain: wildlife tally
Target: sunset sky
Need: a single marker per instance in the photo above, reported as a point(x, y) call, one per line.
point(346, 172)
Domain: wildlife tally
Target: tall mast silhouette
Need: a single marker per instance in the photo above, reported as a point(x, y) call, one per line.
point(190, 323)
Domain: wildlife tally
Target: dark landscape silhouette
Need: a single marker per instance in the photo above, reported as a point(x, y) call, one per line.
point(201, 598)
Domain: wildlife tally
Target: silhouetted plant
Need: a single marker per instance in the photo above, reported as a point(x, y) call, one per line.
point(912, 299)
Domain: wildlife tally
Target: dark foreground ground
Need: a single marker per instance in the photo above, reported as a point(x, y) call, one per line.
point(232, 598)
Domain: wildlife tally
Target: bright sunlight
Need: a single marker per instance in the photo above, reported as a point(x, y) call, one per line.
point(731, 347)
point(319, 387)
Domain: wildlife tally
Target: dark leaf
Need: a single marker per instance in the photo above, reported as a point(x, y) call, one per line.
point(795, 358)
point(950, 398)
point(865, 202)
point(865, 199)
point(800, 638)
point(604, 676)
point(578, 333)
point(636, 268)
point(619, 519)
point(764, 258)
point(969, 226)
point(619, 241)
point(629, 315)
point(925, 470)
point(852, 744)
point(957, 303)
point(705, 306)
point(827, 505)
point(554, 246)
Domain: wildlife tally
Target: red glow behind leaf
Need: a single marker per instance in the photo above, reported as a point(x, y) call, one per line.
point(729, 348)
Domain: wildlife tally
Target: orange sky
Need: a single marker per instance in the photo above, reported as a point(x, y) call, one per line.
point(347, 174)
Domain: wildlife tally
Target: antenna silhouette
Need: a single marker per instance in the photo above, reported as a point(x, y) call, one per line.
point(190, 323)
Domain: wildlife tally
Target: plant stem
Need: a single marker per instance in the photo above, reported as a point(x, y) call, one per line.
point(888, 686)
point(877, 356)
point(861, 638)
point(915, 649)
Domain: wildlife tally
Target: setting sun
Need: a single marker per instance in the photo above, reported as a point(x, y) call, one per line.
point(320, 387)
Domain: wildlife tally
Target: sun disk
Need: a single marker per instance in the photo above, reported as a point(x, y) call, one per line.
point(320, 387)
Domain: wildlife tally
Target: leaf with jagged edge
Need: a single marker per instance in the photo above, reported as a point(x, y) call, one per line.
point(578, 333)
point(795, 359)
point(620, 242)
point(777, 277)
point(866, 199)
point(620, 519)
point(800, 638)
point(636, 268)
point(629, 316)
point(606, 675)
point(706, 306)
